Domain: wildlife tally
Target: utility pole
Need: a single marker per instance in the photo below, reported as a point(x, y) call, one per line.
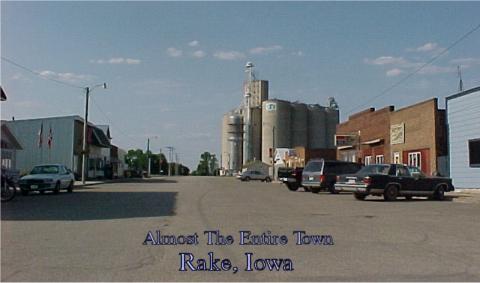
point(170, 157)
point(85, 127)
point(273, 152)
point(176, 164)
point(85, 123)
point(148, 157)
point(460, 84)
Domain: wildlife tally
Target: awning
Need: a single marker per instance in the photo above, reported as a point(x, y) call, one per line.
point(9, 141)
point(373, 141)
point(345, 147)
point(4, 96)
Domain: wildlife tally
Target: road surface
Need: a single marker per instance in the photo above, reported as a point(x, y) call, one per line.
point(97, 234)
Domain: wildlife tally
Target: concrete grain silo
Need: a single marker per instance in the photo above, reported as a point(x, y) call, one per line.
point(225, 146)
point(299, 124)
point(276, 121)
point(317, 127)
point(232, 141)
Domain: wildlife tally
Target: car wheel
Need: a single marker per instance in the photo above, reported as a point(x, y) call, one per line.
point(268, 180)
point(359, 196)
point(57, 188)
point(315, 190)
point(292, 187)
point(70, 187)
point(390, 193)
point(439, 193)
point(246, 179)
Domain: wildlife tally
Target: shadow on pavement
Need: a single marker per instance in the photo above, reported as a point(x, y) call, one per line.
point(90, 205)
point(414, 199)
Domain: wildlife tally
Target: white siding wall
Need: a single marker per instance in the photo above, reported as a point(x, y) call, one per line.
point(463, 124)
point(26, 132)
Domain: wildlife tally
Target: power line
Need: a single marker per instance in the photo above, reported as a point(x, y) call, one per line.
point(39, 74)
point(417, 70)
point(112, 124)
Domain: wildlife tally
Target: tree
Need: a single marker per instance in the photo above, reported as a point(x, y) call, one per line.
point(137, 159)
point(159, 164)
point(207, 165)
point(213, 164)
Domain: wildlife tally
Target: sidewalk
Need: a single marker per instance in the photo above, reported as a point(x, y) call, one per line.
point(465, 195)
point(79, 184)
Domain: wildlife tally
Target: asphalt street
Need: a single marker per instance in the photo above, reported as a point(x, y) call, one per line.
point(97, 233)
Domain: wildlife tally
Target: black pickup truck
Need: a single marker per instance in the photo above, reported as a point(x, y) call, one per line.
point(291, 177)
point(391, 181)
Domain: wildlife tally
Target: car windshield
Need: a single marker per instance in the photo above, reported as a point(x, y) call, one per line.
point(45, 170)
point(313, 166)
point(375, 169)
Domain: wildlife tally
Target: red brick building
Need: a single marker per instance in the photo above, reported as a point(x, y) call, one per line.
point(414, 135)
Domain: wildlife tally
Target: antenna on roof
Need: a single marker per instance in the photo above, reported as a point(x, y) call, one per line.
point(460, 84)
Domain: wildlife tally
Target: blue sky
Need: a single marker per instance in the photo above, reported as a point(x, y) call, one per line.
point(173, 68)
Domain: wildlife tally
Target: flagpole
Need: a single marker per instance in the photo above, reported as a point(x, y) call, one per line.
point(40, 143)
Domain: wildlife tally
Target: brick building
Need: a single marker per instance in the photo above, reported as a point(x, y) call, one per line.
point(369, 137)
point(414, 135)
point(418, 137)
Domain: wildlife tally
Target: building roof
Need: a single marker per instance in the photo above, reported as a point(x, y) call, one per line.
point(465, 92)
point(105, 129)
point(8, 140)
point(100, 138)
point(74, 117)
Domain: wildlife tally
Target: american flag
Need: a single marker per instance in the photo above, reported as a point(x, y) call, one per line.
point(50, 138)
point(40, 136)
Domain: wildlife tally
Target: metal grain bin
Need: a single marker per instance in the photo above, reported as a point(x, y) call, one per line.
point(333, 118)
point(299, 124)
point(276, 121)
point(316, 126)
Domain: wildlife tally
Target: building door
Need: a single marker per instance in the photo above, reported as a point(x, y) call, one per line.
point(396, 158)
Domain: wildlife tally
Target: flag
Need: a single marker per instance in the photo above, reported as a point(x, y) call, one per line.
point(50, 138)
point(40, 136)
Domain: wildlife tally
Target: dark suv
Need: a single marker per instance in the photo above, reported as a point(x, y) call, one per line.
point(322, 174)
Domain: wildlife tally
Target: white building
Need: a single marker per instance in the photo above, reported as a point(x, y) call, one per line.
point(463, 122)
point(65, 147)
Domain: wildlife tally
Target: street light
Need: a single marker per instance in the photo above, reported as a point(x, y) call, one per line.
point(85, 125)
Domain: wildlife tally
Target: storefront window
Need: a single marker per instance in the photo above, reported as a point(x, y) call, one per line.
point(91, 164)
point(368, 160)
point(379, 159)
point(415, 159)
point(474, 152)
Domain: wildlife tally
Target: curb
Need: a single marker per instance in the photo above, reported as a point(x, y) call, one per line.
point(95, 183)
